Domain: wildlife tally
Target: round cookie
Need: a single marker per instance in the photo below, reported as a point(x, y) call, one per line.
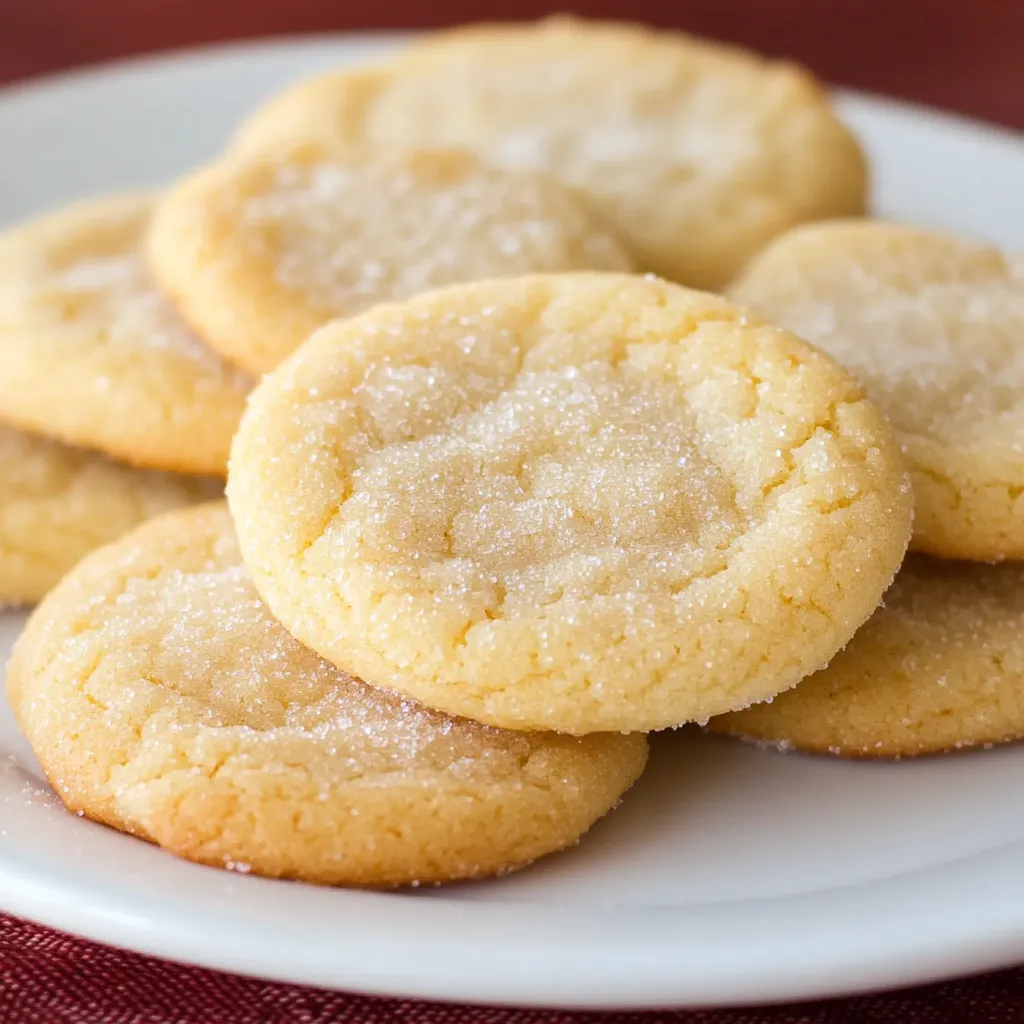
point(201, 725)
point(933, 326)
point(578, 502)
point(259, 252)
point(58, 503)
point(92, 353)
point(697, 154)
point(940, 666)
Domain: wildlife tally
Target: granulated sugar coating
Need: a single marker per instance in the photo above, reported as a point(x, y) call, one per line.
point(260, 252)
point(578, 502)
point(697, 154)
point(92, 353)
point(162, 698)
point(939, 667)
point(933, 326)
point(58, 503)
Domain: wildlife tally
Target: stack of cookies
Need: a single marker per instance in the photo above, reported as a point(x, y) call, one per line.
point(934, 328)
point(503, 501)
point(106, 398)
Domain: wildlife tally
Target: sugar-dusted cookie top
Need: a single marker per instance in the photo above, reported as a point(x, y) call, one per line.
point(91, 352)
point(934, 327)
point(939, 666)
point(697, 154)
point(259, 252)
point(58, 503)
point(578, 502)
point(200, 724)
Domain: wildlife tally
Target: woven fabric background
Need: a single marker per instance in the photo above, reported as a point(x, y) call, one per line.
point(960, 54)
point(965, 55)
point(49, 978)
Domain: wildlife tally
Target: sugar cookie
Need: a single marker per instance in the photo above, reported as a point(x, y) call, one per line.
point(58, 503)
point(200, 724)
point(92, 353)
point(698, 154)
point(579, 502)
point(938, 667)
point(260, 252)
point(933, 326)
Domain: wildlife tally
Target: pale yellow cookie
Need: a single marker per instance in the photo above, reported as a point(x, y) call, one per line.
point(934, 327)
point(577, 502)
point(92, 353)
point(940, 666)
point(58, 503)
point(697, 154)
point(259, 252)
point(162, 698)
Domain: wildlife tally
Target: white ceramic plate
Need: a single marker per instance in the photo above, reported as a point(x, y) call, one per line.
point(730, 875)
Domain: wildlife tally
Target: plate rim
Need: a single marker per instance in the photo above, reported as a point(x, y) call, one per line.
point(653, 978)
point(40, 84)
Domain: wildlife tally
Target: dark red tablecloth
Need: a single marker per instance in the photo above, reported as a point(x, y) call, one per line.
point(49, 978)
point(967, 55)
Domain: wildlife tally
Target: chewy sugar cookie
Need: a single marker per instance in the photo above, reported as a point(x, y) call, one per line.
point(940, 666)
point(201, 725)
point(92, 353)
point(58, 503)
point(933, 326)
point(697, 154)
point(259, 252)
point(576, 502)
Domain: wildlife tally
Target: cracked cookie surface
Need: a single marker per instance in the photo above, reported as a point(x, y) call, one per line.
point(697, 154)
point(938, 667)
point(91, 352)
point(162, 698)
point(577, 502)
point(58, 503)
point(259, 252)
point(933, 325)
